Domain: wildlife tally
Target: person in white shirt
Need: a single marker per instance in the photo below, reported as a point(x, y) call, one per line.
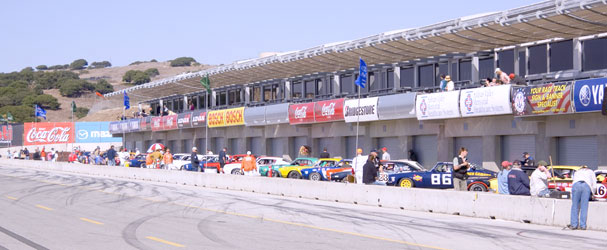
point(385, 156)
point(357, 163)
point(584, 185)
point(539, 180)
point(450, 84)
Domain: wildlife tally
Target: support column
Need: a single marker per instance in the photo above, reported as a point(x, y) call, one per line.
point(516, 61)
point(336, 84)
point(247, 95)
point(213, 97)
point(415, 76)
point(475, 75)
point(543, 144)
point(577, 55)
point(287, 93)
point(396, 77)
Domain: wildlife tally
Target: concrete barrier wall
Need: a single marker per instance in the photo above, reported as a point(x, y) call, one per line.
point(535, 210)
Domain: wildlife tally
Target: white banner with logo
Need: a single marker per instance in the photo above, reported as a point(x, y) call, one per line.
point(485, 101)
point(366, 111)
point(437, 106)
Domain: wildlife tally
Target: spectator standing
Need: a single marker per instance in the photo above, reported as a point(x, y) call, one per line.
point(412, 155)
point(223, 158)
point(248, 164)
point(450, 84)
point(358, 163)
point(27, 154)
point(111, 156)
point(167, 158)
point(539, 180)
point(370, 171)
point(517, 80)
point(9, 155)
point(460, 170)
point(43, 154)
point(55, 155)
point(194, 159)
point(98, 160)
point(518, 181)
point(324, 153)
point(443, 83)
point(37, 154)
point(528, 160)
point(584, 185)
point(502, 178)
point(502, 76)
point(385, 155)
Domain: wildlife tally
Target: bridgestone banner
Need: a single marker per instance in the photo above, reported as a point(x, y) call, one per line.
point(366, 111)
point(547, 99)
point(437, 106)
point(485, 101)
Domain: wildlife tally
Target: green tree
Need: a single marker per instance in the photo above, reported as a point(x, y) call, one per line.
point(41, 67)
point(75, 88)
point(152, 72)
point(99, 65)
point(103, 87)
point(128, 76)
point(153, 60)
point(81, 112)
point(20, 113)
point(78, 64)
point(182, 61)
point(140, 77)
point(44, 100)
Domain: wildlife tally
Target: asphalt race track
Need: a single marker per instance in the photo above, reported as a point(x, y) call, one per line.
point(54, 210)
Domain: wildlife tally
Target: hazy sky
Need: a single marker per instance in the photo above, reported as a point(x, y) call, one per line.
point(213, 32)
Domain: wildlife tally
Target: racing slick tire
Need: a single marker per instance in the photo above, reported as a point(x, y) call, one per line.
point(406, 183)
point(275, 173)
point(315, 177)
point(477, 187)
point(294, 175)
point(236, 171)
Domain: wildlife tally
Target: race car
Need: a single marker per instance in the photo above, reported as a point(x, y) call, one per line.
point(389, 167)
point(563, 177)
point(317, 172)
point(204, 160)
point(236, 163)
point(181, 159)
point(441, 177)
point(263, 170)
point(137, 162)
point(294, 171)
point(340, 173)
point(601, 186)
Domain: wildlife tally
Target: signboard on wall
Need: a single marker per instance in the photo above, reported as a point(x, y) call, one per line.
point(184, 120)
point(588, 94)
point(216, 118)
point(328, 111)
point(145, 124)
point(366, 111)
point(157, 123)
point(234, 117)
point(94, 132)
point(485, 101)
point(42, 133)
point(169, 122)
point(134, 125)
point(6, 134)
point(114, 127)
point(437, 106)
point(547, 99)
point(301, 113)
point(199, 119)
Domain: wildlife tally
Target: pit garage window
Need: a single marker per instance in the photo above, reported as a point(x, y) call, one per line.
point(537, 59)
point(325, 88)
point(297, 90)
point(594, 55)
point(522, 56)
point(234, 96)
point(222, 98)
point(505, 61)
point(486, 68)
point(426, 75)
point(310, 88)
point(255, 93)
point(465, 70)
point(389, 76)
point(407, 77)
point(454, 72)
point(346, 84)
point(561, 56)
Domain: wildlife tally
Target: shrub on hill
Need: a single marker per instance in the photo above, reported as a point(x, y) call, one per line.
point(182, 61)
point(152, 72)
point(41, 67)
point(100, 65)
point(78, 64)
point(103, 87)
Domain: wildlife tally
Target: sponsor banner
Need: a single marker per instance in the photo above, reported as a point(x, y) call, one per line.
point(157, 123)
point(6, 134)
point(485, 101)
point(588, 94)
point(94, 132)
point(235, 116)
point(547, 99)
point(184, 120)
point(301, 113)
point(169, 122)
point(199, 119)
point(216, 118)
point(328, 111)
point(145, 124)
point(255, 116)
point(437, 106)
point(114, 127)
point(277, 113)
point(399, 106)
point(124, 126)
point(134, 125)
point(366, 111)
point(41, 133)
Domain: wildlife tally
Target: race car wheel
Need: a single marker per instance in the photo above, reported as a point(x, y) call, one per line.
point(275, 173)
point(294, 175)
point(406, 183)
point(477, 187)
point(315, 177)
point(236, 171)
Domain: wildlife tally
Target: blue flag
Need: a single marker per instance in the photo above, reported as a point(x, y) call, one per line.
point(127, 102)
point(40, 112)
point(361, 81)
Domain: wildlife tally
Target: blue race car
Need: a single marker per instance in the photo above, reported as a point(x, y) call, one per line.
point(440, 177)
point(319, 172)
point(188, 167)
point(138, 161)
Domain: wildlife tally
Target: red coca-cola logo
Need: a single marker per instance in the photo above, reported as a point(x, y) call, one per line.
point(301, 113)
point(330, 110)
point(48, 133)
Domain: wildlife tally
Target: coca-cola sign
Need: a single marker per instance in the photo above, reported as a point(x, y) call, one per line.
point(48, 133)
point(328, 111)
point(301, 113)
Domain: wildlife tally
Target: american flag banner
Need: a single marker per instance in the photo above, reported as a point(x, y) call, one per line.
point(546, 99)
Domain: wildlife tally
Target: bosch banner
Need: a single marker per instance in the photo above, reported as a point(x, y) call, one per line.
point(328, 111)
point(235, 116)
point(6, 134)
point(48, 133)
point(547, 99)
point(588, 94)
point(362, 110)
point(301, 113)
point(216, 118)
point(485, 101)
point(94, 132)
point(437, 106)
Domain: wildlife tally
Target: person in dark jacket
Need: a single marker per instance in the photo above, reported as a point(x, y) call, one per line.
point(517, 80)
point(324, 154)
point(412, 155)
point(111, 156)
point(223, 158)
point(518, 181)
point(194, 160)
point(370, 172)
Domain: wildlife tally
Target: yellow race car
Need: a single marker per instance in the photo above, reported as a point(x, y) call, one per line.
point(562, 178)
point(294, 171)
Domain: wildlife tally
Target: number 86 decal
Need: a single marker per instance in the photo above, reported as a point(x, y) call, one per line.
point(436, 179)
